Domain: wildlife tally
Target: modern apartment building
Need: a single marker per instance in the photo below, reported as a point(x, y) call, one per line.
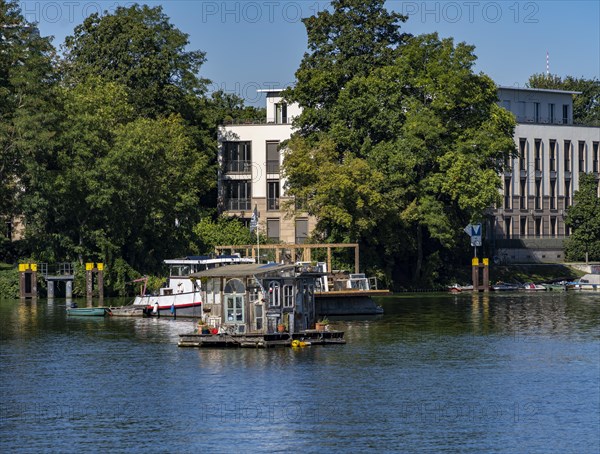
point(250, 160)
point(537, 188)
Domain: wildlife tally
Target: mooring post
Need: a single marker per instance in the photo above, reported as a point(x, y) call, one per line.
point(69, 289)
point(50, 288)
point(28, 280)
point(486, 275)
point(475, 271)
point(89, 284)
point(22, 283)
point(100, 271)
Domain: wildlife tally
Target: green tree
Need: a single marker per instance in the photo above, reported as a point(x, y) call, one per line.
point(352, 40)
point(139, 48)
point(230, 108)
point(586, 105)
point(405, 153)
point(584, 219)
point(225, 230)
point(29, 111)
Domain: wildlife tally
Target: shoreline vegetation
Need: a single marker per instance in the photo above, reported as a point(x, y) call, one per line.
point(539, 273)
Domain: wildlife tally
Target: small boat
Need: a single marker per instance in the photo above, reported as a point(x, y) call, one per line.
point(587, 282)
point(556, 287)
point(89, 311)
point(456, 288)
point(531, 287)
point(505, 287)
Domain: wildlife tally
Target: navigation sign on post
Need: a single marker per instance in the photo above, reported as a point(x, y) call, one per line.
point(474, 231)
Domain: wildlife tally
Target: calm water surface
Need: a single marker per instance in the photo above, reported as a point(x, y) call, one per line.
point(507, 373)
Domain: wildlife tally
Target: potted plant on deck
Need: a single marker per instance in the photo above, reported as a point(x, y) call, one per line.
point(322, 325)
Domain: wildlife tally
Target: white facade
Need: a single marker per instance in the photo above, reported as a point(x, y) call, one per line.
point(250, 172)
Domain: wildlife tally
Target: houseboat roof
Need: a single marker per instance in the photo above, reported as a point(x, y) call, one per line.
point(209, 259)
point(242, 270)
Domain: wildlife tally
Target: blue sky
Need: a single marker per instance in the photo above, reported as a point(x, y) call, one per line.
point(259, 44)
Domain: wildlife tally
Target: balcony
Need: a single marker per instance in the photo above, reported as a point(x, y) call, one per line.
point(238, 167)
point(238, 204)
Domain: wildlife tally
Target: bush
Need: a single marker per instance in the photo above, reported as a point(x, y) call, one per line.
point(9, 281)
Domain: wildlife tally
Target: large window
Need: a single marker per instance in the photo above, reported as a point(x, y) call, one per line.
point(553, 156)
point(536, 112)
point(523, 195)
point(538, 155)
point(551, 112)
point(523, 227)
point(238, 195)
point(273, 195)
point(281, 113)
point(522, 154)
point(237, 157)
point(301, 230)
point(507, 193)
point(272, 157)
point(567, 193)
point(581, 156)
point(565, 115)
point(595, 157)
point(273, 229)
point(567, 152)
point(553, 194)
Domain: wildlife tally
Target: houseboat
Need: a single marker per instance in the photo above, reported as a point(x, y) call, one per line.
point(259, 305)
point(180, 296)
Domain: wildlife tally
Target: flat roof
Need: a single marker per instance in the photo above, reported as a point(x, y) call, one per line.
point(545, 90)
point(243, 270)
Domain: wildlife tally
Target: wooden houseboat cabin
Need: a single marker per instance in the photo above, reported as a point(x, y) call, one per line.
point(258, 298)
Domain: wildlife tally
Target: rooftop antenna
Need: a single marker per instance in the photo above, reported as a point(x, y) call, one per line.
point(547, 64)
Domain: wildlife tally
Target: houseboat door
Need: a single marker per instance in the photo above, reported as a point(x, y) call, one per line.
point(234, 294)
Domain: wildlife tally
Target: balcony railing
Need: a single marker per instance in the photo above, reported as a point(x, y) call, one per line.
point(273, 204)
point(238, 204)
point(238, 166)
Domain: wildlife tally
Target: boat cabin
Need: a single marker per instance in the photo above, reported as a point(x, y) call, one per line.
point(180, 270)
point(258, 298)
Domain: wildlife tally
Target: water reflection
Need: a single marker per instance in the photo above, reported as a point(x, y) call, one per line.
point(441, 373)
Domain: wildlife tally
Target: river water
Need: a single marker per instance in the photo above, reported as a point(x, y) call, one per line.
point(498, 373)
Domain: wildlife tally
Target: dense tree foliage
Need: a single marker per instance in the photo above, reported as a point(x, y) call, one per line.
point(28, 107)
point(108, 154)
point(586, 105)
point(584, 219)
point(398, 149)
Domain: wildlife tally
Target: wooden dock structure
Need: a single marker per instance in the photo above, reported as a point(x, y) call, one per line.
point(308, 337)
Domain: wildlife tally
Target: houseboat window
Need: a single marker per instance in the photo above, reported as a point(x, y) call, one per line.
point(288, 296)
point(234, 308)
point(258, 316)
point(180, 270)
point(274, 293)
point(235, 286)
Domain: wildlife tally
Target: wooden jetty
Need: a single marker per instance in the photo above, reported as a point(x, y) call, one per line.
point(308, 337)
